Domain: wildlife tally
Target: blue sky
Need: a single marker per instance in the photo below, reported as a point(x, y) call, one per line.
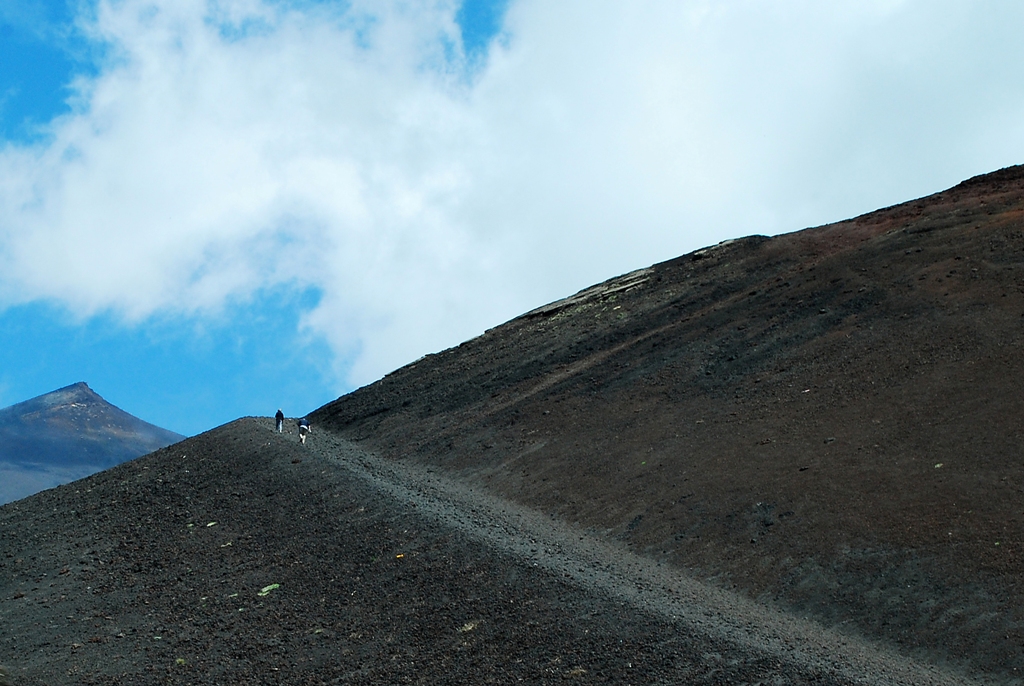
point(38, 59)
point(213, 208)
point(184, 373)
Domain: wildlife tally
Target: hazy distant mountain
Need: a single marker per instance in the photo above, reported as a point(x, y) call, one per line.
point(66, 435)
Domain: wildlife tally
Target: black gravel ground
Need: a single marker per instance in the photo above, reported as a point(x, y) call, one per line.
point(240, 556)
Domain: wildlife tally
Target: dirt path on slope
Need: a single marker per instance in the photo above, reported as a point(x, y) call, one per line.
point(597, 567)
point(241, 556)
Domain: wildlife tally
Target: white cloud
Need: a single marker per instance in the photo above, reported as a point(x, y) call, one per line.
point(231, 146)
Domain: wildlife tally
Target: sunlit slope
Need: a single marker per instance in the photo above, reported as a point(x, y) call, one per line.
point(829, 419)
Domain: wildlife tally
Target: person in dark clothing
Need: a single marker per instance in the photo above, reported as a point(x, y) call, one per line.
point(304, 429)
point(280, 421)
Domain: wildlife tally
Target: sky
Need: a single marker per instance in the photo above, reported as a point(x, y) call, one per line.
point(215, 208)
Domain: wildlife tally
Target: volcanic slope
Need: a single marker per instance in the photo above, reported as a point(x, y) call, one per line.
point(242, 557)
point(828, 421)
point(776, 461)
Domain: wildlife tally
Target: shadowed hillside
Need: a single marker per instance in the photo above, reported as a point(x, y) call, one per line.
point(829, 420)
point(67, 434)
point(790, 460)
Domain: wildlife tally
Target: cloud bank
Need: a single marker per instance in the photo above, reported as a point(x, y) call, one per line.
point(229, 147)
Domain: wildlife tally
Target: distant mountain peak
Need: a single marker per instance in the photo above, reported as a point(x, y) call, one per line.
point(79, 391)
point(72, 431)
point(77, 394)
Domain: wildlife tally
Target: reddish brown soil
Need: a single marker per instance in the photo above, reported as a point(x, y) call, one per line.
point(823, 425)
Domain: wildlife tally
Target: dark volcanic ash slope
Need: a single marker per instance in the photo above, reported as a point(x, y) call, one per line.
point(829, 421)
point(826, 422)
point(67, 434)
point(242, 557)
